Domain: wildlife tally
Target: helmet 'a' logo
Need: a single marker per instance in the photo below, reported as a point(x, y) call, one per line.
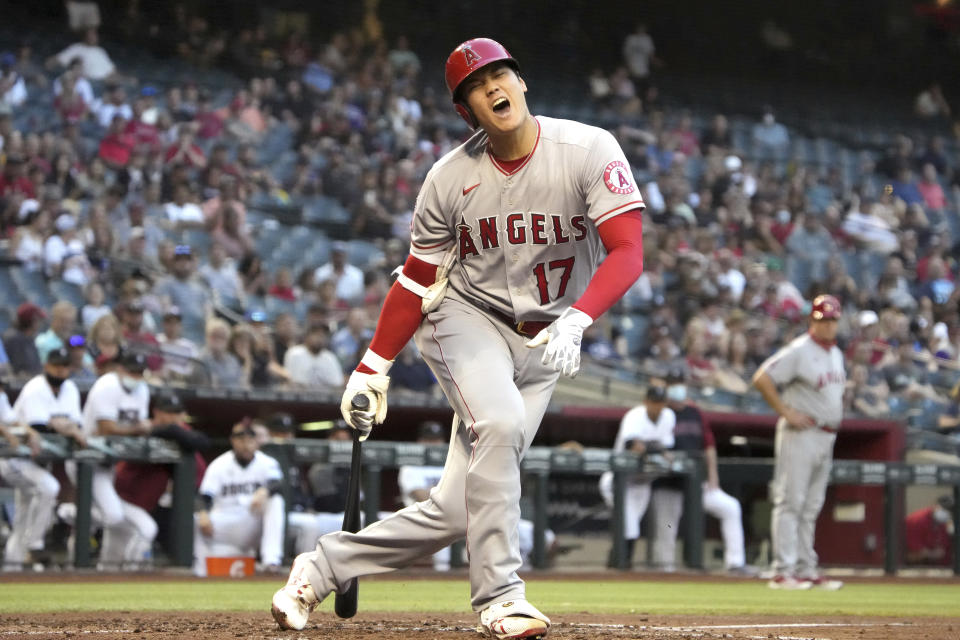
point(470, 57)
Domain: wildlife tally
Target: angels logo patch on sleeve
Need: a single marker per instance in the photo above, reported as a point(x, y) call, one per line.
point(616, 176)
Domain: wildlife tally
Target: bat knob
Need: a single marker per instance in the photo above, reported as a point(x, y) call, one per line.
point(360, 402)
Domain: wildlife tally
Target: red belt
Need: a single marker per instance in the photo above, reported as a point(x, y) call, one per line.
point(828, 429)
point(528, 328)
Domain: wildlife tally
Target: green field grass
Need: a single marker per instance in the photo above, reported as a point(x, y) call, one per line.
point(554, 596)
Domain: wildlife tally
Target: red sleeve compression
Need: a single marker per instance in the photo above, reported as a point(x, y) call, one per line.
point(622, 236)
point(400, 315)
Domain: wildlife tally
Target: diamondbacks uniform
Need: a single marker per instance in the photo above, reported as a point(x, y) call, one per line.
point(128, 530)
point(236, 529)
point(637, 425)
point(811, 378)
point(525, 245)
point(692, 433)
point(36, 488)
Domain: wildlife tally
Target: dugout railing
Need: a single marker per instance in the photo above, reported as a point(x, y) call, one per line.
point(539, 464)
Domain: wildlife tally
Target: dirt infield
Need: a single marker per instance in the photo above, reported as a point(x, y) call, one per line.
point(253, 626)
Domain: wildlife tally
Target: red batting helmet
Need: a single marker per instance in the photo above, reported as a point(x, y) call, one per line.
point(468, 57)
point(825, 307)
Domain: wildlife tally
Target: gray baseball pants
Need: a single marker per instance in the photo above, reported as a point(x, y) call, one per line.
point(800, 477)
point(500, 392)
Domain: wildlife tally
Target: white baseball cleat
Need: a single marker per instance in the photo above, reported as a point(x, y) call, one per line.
point(292, 604)
point(824, 583)
point(513, 619)
point(788, 583)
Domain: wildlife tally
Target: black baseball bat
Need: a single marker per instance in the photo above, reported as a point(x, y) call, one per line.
point(345, 604)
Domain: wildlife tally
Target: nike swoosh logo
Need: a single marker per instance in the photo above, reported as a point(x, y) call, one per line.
point(467, 190)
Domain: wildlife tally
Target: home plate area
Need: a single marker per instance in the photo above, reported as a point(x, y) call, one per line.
point(579, 626)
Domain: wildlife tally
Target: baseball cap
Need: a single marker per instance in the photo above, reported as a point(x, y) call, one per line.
point(59, 356)
point(257, 315)
point(7, 58)
point(281, 423)
point(132, 361)
point(27, 207)
point(675, 376)
point(137, 232)
point(28, 312)
point(656, 393)
point(66, 222)
point(172, 312)
point(77, 341)
point(339, 246)
point(867, 317)
point(135, 305)
point(182, 251)
point(5, 109)
point(148, 91)
point(169, 402)
point(243, 428)
point(431, 429)
point(825, 307)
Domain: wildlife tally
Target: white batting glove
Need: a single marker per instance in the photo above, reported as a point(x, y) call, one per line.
point(374, 387)
point(563, 338)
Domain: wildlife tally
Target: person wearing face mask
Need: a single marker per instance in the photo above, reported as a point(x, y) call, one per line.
point(118, 405)
point(647, 428)
point(48, 403)
point(692, 434)
point(929, 534)
point(311, 364)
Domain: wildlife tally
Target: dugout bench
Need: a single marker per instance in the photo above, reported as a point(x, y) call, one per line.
point(108, 450)
point(539, 463)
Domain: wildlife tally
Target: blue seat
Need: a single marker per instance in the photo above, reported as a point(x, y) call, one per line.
point(67, 291)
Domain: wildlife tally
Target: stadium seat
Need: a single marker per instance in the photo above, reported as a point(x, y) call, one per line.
point(67, 291)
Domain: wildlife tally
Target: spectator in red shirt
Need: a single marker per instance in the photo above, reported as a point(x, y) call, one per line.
point(929, 534)
point(13, 179)
point(282, 287)
point(70, 104)
point(131, 321)
point(930, 189)
point(117, 146)
point(142, 132)
point(686, 137)
point(209, 124)
point(184, 151)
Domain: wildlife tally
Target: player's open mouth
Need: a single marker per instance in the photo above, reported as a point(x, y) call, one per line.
point(501, 106)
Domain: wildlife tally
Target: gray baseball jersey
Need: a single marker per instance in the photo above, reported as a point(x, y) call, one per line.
point(523, 246)
point(812, 378)
point(526, 247)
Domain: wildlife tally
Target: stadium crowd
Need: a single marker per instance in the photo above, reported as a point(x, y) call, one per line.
point(153, 200)
point(155, 218)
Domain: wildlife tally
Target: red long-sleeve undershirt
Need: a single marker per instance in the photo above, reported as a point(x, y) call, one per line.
point(622, 236)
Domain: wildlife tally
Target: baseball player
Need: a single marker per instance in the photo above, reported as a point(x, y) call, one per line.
point(503, 277)
point(692, 433)
point(48, 403)
point(118, 405)
point(647, 428)
point(243, 506)
point(810, 372)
